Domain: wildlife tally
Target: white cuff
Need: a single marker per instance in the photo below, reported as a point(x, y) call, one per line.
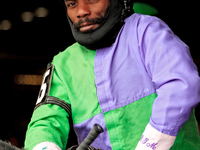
point(46, 146)
point(155, 140)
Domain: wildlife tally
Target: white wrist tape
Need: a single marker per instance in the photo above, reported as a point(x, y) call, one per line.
point(46, 146)
point(155, 140)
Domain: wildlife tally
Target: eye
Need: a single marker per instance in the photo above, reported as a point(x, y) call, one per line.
point(70, 4)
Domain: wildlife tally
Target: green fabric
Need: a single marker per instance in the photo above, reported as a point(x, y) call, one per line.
point(49, 123)
point(125, 123)
point(145, 9)
point(74, 65)
point(188, 137)
point(122, 129)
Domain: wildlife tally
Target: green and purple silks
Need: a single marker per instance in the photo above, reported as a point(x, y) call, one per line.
point(146, 77)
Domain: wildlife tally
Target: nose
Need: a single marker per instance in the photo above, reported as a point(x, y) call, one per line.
point(83, 9)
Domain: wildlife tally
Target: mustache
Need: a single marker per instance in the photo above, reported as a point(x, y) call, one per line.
point(77, 25)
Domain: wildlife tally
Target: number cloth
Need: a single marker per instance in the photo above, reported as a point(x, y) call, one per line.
point(145, 79)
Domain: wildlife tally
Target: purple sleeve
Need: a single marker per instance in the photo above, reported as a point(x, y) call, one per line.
point(175, 76)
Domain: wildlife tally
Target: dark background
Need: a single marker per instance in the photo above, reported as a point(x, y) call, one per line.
point(27, 47)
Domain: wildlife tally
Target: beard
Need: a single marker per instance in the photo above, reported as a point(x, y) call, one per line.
point(99, 20)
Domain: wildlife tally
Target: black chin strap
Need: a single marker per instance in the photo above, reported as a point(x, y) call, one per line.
point(128, 9)
point(107, 32)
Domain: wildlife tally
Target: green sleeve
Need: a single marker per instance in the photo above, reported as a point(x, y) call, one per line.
point(50, 123)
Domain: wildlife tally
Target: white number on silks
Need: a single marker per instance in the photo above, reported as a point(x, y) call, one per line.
point(43, 87)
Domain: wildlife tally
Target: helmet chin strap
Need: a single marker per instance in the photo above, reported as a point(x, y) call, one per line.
point(106, 33)
point(128, 9)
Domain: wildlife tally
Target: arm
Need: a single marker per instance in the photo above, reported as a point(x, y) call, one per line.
point(168, 62)
point(49, 126)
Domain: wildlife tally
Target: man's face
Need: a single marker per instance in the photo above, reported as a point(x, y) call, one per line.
point(87, 15)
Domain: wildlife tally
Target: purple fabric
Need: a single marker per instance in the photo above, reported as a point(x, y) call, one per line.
point(147, 57)
point(120, 75)
point(102, 141)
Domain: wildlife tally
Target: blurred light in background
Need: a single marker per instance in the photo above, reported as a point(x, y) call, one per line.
point(27, 16)
point(5, 25)
point(41, 12)
point(25, 79)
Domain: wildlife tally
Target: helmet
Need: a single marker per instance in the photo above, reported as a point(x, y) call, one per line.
point(107, 32)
